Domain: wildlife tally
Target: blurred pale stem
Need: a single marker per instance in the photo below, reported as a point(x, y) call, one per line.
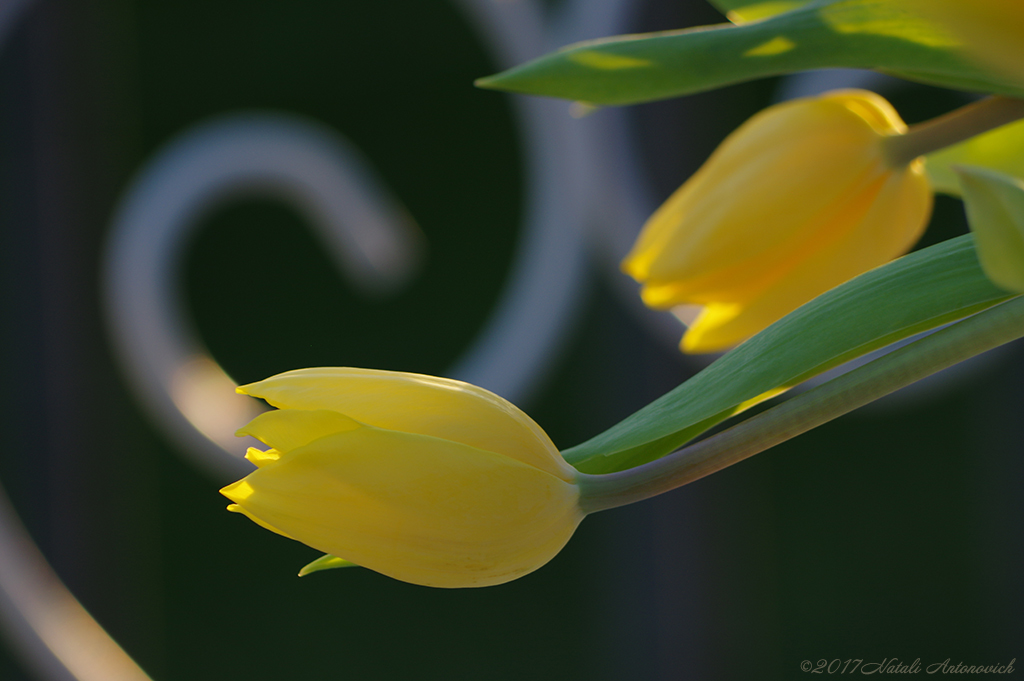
point(942, 349)
point(952, 128)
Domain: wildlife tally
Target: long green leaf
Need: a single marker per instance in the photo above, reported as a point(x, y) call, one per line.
point(915, 293)
point(869, 34)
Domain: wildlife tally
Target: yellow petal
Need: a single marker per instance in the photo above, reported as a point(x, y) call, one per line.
point(285, 430)
point(890, 223)
point(260, 458)
point(733, 227)
point(763, 190)
point(416, 508)
point(236, 508)
point(413, 403)
point(746, 281)
point(779, 215)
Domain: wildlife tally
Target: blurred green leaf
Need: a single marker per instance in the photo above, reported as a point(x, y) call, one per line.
point(868, 34)
point(995, 211)
point(917, 292)
point(739, 11)
point(1001, 149)
point(325, 562)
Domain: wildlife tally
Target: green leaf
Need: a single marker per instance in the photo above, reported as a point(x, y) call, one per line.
point(995, 211)
point(739, 11)
point(325, 562)
point(917, 292)
point(1001, 149)
point(869, 34)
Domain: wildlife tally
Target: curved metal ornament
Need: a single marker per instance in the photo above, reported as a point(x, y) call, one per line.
point(366, 230)
point(369, 235)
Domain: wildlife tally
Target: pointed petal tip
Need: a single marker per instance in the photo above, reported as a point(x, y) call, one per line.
point(689, 346)
point(261, 458)
point(325, 562)
point(628, 267)
point(699, 344)
point(237, 492)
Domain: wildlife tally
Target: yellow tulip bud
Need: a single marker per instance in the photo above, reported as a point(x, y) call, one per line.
point(427, 480)
point(799, 199)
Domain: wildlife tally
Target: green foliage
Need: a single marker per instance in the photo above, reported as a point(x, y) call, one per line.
point(740, 11)
point(917, 292)
point(998, 150)
point(995, 210)
point(869, 34)
point(325, 562)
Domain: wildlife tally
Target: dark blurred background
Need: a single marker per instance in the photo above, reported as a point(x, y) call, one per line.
point(892, 532)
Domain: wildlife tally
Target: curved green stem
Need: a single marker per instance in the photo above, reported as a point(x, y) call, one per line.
point(952, 128)
point(972, 336)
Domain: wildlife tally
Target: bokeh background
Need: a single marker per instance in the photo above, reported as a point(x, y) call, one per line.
point(892, 532)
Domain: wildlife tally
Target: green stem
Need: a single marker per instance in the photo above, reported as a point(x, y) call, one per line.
point(972, 336)
point(952, 128)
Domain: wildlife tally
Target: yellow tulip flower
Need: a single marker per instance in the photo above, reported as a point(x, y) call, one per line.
point(799, 199)
point(427, 480)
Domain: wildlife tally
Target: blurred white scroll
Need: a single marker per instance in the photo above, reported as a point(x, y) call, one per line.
point(374, 242)
point(580, 174)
